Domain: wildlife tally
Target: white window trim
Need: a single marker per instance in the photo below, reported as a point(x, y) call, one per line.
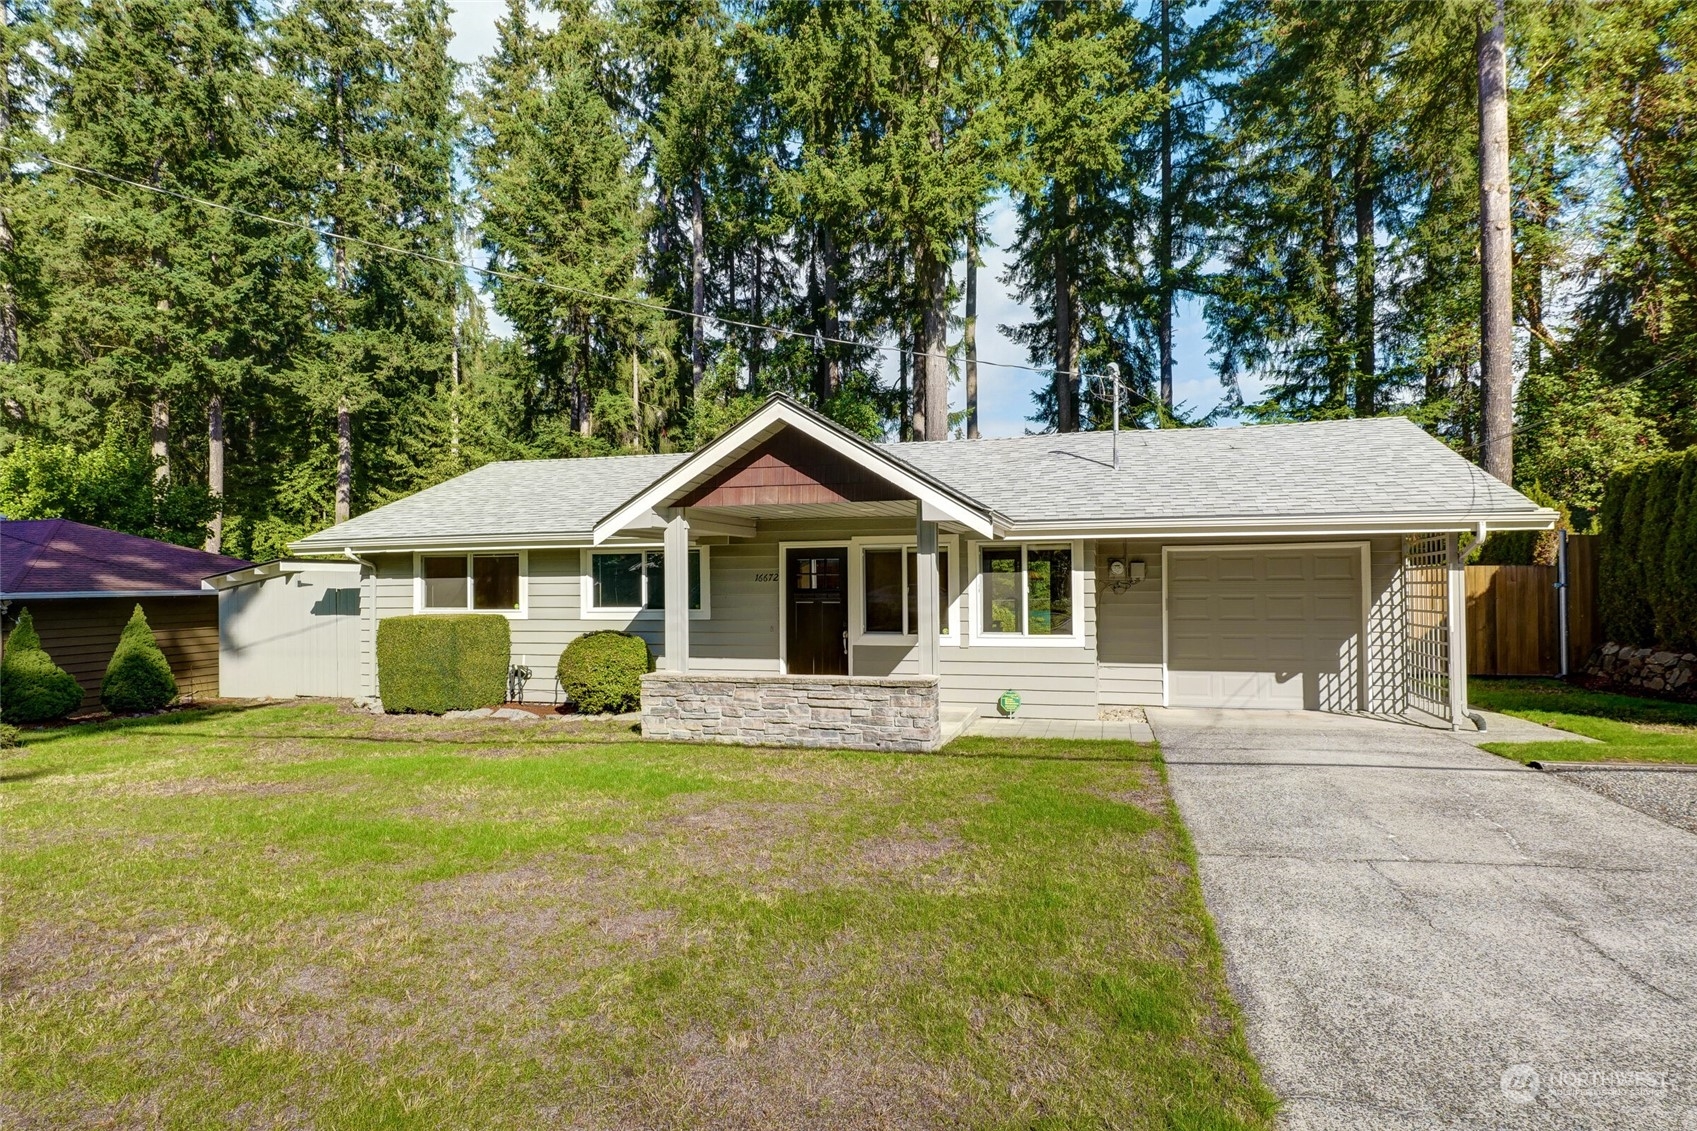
point(520, 613)
point(858, 633)
point(1080, 575)
point(586, 584)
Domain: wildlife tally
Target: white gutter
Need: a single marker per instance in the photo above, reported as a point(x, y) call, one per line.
point(1279, 526)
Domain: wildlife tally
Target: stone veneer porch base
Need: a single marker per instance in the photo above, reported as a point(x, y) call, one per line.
point(846, 712)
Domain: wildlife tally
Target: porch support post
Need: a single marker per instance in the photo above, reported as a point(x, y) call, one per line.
point(1455, 626)
point(677, 590)
point(929, 598)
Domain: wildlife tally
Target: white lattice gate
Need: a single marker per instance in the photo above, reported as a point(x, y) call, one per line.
point(1425, 600)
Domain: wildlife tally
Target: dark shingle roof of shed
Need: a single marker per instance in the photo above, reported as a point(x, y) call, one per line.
point(56, 555)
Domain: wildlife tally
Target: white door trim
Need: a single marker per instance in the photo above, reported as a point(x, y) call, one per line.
point(1366, 549)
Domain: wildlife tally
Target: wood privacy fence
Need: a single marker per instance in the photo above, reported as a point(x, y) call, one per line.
point(1514, 615)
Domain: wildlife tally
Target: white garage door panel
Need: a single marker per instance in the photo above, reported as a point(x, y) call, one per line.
point(1264, 628)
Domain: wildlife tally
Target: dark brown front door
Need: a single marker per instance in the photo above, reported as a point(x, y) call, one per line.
point(817, 635)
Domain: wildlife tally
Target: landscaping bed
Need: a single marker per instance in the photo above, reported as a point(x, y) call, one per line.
point(309, 915)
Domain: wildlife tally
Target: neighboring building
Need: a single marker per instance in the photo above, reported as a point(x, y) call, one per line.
point(1301, 565)
point(81, 583)
point(289, 628)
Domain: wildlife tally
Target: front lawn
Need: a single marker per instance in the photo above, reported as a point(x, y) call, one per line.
point(1628, 728)
point(303, 916)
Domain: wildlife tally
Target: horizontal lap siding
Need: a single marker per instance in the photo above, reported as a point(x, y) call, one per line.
point(742, 634)
point(81, 635)
point(1129, 628)
point(553, 614)
point(1052, 682)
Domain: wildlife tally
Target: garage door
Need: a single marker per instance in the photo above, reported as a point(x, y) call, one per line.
point(1264, 628)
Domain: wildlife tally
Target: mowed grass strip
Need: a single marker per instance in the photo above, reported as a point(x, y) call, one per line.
point(1628, 728)
point(299, 915)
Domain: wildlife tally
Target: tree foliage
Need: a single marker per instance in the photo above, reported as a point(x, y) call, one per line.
point(266, 266)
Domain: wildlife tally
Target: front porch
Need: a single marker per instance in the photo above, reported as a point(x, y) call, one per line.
point(896, 713)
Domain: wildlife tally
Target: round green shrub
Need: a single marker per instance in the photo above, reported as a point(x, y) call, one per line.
point(138, 677)
point(33, 689)
point(9, 737)
point(602, 672)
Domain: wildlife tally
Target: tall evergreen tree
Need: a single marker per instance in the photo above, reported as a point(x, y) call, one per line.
point(1083, 97)
point(561, 205)
point(371, 135)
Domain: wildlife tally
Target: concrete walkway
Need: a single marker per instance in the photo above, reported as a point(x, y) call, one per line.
point(1423, 935)
point(1121, 731)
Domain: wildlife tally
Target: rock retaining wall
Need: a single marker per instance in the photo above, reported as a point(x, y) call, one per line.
point(1649, 669)
point(848, 712)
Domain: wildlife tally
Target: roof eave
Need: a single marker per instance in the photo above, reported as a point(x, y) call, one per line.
point(1259, 526)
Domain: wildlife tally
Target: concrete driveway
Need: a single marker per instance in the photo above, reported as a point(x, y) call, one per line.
point(1423, 935)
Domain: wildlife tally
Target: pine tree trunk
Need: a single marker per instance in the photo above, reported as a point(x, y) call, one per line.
point(756, 353)
point(1066, 380)
point(215, 471)
point(585, 407)
point(830, 267)
point(935, 328)
point(697, 285)
point(1338, 350)
point(8, 296)
point(1164, 241)
point(1366, 283)
point(344, 411)
point(454, 390)
point(161, 431)
point(344, 461)
point(904, 363)
point(970, 334)
point(635, 401)
point(1496, 254)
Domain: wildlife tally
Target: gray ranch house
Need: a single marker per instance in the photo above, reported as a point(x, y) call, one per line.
point(800, 584)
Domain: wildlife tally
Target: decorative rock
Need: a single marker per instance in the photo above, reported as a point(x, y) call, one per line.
point(1649, 669)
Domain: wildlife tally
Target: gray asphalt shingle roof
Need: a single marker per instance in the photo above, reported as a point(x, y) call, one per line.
point(1335, 469)
point(545, 497)
point(1385, 465)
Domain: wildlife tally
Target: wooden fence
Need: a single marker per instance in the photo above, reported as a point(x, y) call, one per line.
point(1513, 625)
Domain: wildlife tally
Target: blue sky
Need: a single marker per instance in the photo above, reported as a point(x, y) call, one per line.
point(1004, 395)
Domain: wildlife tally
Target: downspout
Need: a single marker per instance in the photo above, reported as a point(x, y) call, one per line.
point(367, 608)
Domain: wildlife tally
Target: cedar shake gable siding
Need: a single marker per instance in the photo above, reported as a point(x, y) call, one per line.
point(790, 468)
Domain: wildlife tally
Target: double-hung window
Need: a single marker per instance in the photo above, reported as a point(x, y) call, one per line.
point(1026, 591)
point(634, 581)
point(890, 584)
point(483, 583)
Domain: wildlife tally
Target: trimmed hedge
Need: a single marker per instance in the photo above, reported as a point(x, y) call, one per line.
point(1647, 565)
point(33, 689)
point(601, 672)
point(430, 664)
point(138, 676)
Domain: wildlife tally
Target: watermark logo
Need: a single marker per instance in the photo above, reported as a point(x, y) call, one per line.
point(1520, 1083)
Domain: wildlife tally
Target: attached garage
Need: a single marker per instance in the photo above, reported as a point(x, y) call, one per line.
point(1267, 626)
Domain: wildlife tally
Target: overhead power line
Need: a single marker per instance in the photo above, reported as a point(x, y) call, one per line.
point(318, 232)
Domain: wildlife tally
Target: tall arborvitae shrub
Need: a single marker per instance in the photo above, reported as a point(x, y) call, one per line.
point(1647, 568)
point(33, 689)
point(138, 677)
point(1679, 562)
